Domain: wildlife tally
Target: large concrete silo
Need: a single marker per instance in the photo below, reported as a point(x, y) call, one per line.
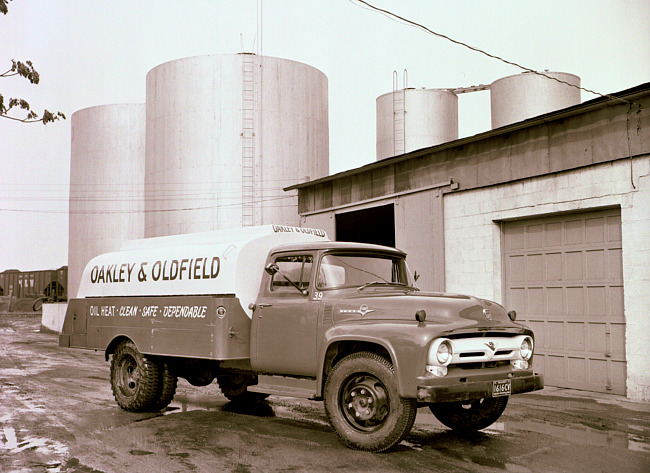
point(106, 183)
point(411, 119)
point(225, 134)
point(521, 96)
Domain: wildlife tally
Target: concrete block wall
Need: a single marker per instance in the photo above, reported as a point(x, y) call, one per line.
point(53, 316)
point(636, 275)
point(473, 239)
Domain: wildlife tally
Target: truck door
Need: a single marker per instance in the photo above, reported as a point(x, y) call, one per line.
point(285, 320)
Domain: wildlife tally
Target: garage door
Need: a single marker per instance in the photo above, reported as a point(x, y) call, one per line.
point(564, 277)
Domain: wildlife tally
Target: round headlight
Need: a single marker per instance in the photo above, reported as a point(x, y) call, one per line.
point(444, 352)
point(526, 349)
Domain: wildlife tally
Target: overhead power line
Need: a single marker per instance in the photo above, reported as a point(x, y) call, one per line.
point(401, 19)
point(143, 211)
point(140, 184)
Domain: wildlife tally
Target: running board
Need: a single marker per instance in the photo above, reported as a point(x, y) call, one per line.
point(283, 386)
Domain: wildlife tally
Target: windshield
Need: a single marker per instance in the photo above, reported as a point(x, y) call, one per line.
point(346, 270)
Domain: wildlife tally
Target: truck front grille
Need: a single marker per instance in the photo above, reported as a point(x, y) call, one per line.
point(475, 351)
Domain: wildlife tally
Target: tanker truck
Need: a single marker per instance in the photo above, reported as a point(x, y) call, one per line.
point(282, 310)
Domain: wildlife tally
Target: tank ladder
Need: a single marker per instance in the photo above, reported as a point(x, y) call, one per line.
point(248, 140)
point(399, 115)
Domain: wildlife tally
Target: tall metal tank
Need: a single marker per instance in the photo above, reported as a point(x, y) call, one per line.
point(411, 119)
point(106, 183)
point(225, 134)
point(521, 96)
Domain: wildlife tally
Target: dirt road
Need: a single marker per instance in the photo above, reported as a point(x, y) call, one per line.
point(57, 414)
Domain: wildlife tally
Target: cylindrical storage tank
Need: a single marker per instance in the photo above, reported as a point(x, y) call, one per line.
point(411, 119)
point(225, 134)
point(106, 183)
point(518, 97)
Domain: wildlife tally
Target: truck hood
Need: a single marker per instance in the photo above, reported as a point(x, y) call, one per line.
point(454, 310)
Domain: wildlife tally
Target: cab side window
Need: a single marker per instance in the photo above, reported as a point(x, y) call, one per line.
point(294, 274)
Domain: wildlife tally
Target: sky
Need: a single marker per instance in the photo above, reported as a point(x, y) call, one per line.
point(93, 52)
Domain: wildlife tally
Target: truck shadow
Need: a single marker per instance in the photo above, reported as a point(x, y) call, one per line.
point(257, 409)
point(478, 448)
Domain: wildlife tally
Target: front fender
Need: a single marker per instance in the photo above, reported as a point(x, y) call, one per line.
point(407, 345)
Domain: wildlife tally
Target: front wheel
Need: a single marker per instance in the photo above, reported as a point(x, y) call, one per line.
point(364, 405)
point(470, 416)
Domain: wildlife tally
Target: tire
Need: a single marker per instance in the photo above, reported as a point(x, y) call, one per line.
point(38, 304)
point(363, 404)
point(234, 387)
point(135, 379)
point(167, 384)
point(470, 416)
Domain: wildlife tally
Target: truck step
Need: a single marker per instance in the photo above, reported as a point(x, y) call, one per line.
point(283, 386)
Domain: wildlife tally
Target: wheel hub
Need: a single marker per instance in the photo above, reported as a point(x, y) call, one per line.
point(130, 375)
point(364, 402)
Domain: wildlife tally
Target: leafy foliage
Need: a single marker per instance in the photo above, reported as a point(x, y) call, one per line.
point(26, 70)
point(3, 6)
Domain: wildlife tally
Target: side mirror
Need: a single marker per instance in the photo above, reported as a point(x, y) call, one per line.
point(512, 315)
point(272, 269)
point(416, 276)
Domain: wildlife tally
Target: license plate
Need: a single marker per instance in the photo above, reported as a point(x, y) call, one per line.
point(501, 388)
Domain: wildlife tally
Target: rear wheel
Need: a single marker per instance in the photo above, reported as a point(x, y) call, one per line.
point(166, 387)
point(135, 379)
point(469, 416)
point(364, 405)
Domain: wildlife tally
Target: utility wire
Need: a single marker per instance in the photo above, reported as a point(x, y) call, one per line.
point(134, 197)
point(414, 24)
point(104, 211)
point(153, 184)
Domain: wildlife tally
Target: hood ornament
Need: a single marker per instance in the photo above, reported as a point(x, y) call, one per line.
point(487, 314)
point(363, 310)
point(490, 345)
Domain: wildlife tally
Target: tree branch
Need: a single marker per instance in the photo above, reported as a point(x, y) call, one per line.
point(3, 6)
point(45, 119)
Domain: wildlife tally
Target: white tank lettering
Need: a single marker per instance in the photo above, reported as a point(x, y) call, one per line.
point(165, 270)
point(128, 311)
point(185, 311)
point(107, 310)
point(214, 273)
point(308, 231)
point(150, 311)
point(155, 270)
point(130, 268)
point(171, 311)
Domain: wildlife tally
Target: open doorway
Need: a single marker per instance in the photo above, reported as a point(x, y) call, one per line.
point(374, 225)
